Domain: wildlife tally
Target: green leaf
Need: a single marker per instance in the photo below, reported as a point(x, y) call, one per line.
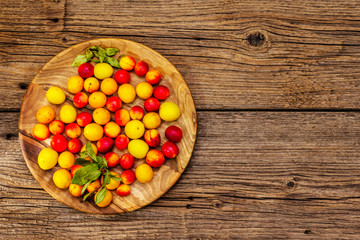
point(100, 196)
point(116, 178)
point(95, 60)
point(92, 176)
point(86, 196)
point(89, 55)
point(94, 48)
point(101, 161)
point(102, 58)
point(111, 51)
point(90, 151)
point(84, 154)
point(96, 53)
point(101, 51)
point(81, 175)
point(102, 54)
point(106, 178)
point(80, 59)
point(77, 178)
point(89, 148)
point(84, 187)
point(113, 62)
point(82, 162)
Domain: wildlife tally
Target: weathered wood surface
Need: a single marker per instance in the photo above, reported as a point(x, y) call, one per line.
point(256, 174)
point(253, 174)
point(233, 54)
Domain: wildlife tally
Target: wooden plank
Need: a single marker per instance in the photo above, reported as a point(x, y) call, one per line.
point(42, 218)
point(20, 56)
point(233, 55)
point(253, 174)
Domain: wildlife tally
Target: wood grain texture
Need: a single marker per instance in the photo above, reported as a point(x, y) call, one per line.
point(257, 174)
point(233, 54)
point(57, 72)
point(265, 178)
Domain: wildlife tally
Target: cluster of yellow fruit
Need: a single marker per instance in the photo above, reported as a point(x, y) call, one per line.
point(140, 124)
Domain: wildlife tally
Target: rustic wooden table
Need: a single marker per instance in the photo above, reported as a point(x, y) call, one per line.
point(276, 85)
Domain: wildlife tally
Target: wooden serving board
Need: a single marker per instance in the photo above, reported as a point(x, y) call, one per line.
point(56, 73)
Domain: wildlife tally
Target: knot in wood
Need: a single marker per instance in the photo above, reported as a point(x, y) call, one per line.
point(256, 39)
point(8, 136)
point(290, 184)
point(23, 85)
point(217, 203)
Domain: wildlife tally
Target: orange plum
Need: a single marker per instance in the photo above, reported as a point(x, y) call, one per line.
point(152, 137)
point(155, 158)
point(137, 113)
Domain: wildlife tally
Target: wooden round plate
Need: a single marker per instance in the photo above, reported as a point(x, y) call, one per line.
point(56, 73)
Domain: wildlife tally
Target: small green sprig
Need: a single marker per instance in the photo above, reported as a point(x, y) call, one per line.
point(91, 171)
point(98, 55)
